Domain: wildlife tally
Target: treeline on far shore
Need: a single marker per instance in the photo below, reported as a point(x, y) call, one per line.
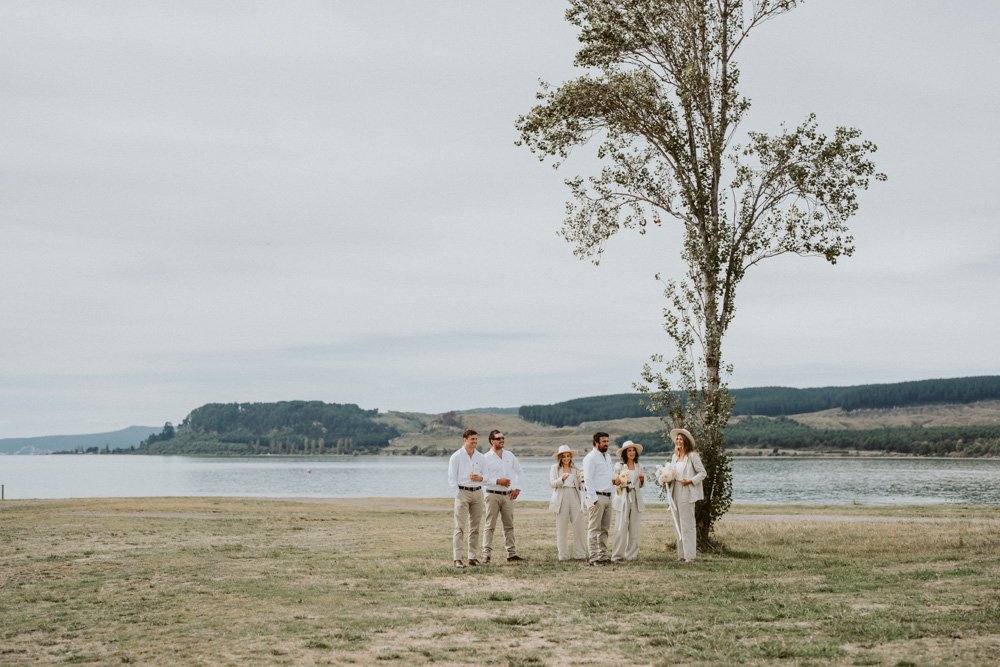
point(283, 427)
point(780, 401)
point(319, 428)
point(785, 434)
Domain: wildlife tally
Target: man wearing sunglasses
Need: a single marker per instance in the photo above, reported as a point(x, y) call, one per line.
point(501, 487)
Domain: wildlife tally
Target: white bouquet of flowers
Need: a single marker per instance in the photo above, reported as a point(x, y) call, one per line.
point(624, 479)
point(664, 475)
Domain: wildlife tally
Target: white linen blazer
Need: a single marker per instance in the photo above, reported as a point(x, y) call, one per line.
point(694, 470)
point(618, 499)
point(561, 492)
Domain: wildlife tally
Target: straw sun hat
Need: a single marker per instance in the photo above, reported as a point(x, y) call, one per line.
point(563, 449)
point(685, 432)
point(629, 443)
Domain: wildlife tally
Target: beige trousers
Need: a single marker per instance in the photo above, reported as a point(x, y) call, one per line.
point(499, 505)
point(687, 545)
point(627, 528)
point(468, 510)
point(598, 525)
point(570, 512)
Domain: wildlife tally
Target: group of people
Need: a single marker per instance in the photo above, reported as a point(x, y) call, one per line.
point(585, 500)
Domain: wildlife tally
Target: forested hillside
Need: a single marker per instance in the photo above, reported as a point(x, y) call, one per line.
point(285, 427)
point(785, 434)
point(777, 401)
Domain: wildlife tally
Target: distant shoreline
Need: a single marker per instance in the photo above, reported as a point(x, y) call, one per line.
point(738, 454)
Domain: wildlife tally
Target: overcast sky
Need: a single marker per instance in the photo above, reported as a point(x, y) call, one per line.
point(257, 201)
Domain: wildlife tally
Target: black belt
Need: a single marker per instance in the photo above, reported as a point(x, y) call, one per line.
point(469, 488)
point(604, 493)
point(502, 493)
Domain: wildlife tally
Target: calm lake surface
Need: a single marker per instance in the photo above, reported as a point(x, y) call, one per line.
point(755, 480)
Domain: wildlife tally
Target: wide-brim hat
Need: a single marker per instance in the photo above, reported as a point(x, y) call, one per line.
point(563, 449)
point(685, 432)
point(629, 443)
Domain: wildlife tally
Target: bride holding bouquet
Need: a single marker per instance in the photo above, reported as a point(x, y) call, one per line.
point(684, 475)
point(628, 481)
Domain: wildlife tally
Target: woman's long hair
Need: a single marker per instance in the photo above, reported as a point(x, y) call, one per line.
point(559, 463)
point(688, 445)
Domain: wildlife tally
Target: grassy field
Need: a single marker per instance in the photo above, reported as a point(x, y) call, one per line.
point(206, 581)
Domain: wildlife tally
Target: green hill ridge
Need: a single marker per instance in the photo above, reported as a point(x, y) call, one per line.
point(783, 401)
point(954, 417)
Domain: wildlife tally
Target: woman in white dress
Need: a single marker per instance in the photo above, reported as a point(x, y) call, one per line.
point(628, 480)
point(566, 504)
point(686, 490)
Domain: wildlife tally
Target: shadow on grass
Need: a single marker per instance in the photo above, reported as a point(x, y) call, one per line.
point(725, 551)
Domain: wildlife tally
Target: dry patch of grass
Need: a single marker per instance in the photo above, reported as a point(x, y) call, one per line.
point(526, 438)
point(221, 581)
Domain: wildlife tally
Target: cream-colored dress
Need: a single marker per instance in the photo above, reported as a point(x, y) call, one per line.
point(566, 505)
point(690, 467)
point(628, 516)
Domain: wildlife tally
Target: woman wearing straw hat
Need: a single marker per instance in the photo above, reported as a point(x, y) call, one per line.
point(686, 491)
point(628, 480)
point(565, 480)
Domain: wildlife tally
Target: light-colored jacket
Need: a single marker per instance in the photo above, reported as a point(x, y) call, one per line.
point(693, 470)
point(618, 499)
point(562, 491)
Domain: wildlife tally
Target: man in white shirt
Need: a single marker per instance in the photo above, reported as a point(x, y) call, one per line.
point(502, 487)
point(598, 471)
point(466, 469)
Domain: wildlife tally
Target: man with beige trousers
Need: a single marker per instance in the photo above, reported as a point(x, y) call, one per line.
point(465, 476)
point(502, 485)
point(598, 471)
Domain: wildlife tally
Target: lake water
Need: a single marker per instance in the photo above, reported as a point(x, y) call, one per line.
point(755, 480)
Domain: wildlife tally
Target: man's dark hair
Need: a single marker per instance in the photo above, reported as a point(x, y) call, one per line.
point(494, 433)
point(599, 435)
point(467, 433)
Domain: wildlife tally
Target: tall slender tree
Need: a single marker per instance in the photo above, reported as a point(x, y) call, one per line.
point(660, 98)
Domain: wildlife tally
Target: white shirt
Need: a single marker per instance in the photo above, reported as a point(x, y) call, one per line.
point(681, 467)
point(461, 466)
point(685, 468)
point(597, 473)
point(499, 468)
point(557, 482)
